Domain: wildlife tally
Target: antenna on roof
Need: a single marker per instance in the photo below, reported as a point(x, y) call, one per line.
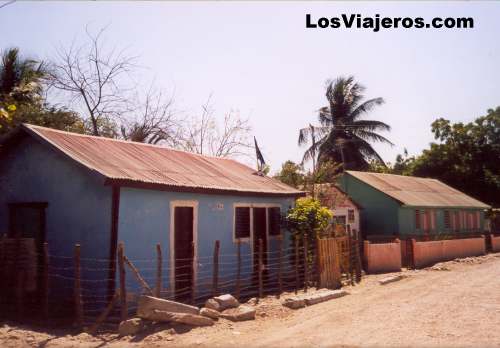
point(260, 159)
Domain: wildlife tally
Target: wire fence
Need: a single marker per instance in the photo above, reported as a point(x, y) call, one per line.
point(92, 291)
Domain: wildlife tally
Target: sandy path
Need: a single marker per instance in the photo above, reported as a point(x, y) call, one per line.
point(460, 307)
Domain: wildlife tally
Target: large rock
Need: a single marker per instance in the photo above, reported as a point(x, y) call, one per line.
point(182, 318)
point(324, 296)
point(130, 327)
point(391, 279)
point(147, 304)
point(227, 301)
point(212, 304)
point(294, 302)
point(210, 313)
point(240, 313)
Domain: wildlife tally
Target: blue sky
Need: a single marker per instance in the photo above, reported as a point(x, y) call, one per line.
point(259, 58)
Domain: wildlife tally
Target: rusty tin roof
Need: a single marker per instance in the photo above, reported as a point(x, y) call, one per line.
point(332, 196)
point(131, 163)
point(418, 192)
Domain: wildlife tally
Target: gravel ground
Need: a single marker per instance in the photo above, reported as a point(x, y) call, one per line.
point(454, 303)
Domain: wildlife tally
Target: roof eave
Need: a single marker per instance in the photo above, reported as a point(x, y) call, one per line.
point(194, 189)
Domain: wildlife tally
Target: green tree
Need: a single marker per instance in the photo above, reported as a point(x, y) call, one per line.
point(21, 96)
point(343, 136)
point(291, 174)
point(466, 157)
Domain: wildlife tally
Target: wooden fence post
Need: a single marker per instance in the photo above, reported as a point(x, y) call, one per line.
point(159, 263)
point(280, 265)
point(317, 262)
point(296, 264)
point(261, 268)
point(238, 272)
point(45, 282)
point(78, 288)
point(215, 272)
point(137, 275)
point(193, 274)
point(3, 269)
point(123, 288)
point(20, 293)
point(350, 253)
point(306, 263)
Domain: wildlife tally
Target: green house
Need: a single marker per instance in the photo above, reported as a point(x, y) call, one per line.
point(404, 205)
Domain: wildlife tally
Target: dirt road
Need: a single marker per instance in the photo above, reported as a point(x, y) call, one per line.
point(459, 307)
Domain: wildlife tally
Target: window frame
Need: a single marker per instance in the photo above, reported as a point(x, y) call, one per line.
point(447, 219)
point(349, 212)
point(268, 222)
point(251, 206)
point(418, 218)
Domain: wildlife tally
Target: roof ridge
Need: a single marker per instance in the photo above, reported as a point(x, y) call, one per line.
point(34, 128)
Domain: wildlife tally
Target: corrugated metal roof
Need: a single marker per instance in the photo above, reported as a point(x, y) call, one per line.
point(130, 162)
point(331, 196)
point(418, 192)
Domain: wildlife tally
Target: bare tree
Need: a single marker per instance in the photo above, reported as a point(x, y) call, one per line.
point(154, 121)
point(204, 135)
point(95, 78)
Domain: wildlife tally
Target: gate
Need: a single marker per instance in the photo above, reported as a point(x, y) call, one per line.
point(329, 263)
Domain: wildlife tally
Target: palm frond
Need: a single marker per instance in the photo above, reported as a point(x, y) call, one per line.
point(372, 136)
point(370, 125)
point(365, 107)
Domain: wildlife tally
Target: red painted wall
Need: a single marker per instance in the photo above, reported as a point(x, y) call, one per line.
point(381, 258)
point(429, 253)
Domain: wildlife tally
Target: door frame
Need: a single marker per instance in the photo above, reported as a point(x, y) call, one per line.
point(182, 203)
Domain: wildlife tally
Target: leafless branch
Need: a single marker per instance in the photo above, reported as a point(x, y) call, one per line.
point(203, 135)
point(95, 78)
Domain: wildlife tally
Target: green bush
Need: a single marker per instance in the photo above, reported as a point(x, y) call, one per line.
point(308, 216)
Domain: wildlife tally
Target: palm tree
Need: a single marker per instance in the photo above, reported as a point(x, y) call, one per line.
point(20, 78)
point(343, 136)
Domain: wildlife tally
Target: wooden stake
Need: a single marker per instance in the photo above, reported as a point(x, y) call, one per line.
point(78, 288)
point(317, 262)
point(215, 273)
point(104, 314)
point(306, 263)
point(261, 268)
point(238, 273)
point(350, 257)
point(280, 265)
point(138, 275)
point(158, 271)
point(296, 264)
point(123, 288)
point(20, 283)
point(193, 290)
point(3, 268)
point(45, 282)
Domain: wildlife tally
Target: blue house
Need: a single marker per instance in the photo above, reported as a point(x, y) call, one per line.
point(64, 188)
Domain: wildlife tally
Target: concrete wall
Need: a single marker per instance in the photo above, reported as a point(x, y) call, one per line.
point(495, 243)
point(381, 258)
point(144, 221)
point(79, 208)
point(429, 253)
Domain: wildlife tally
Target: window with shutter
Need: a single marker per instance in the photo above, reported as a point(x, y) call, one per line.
point(447, 223)
point(417, 219)
point(350, 215)
point(242, 222)
point(274, 216)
